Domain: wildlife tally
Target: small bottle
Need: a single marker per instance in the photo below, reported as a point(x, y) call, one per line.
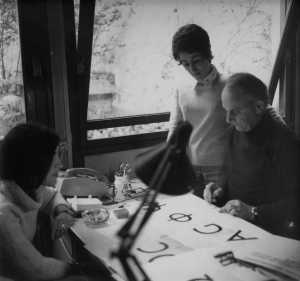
point(74, 203)
point(119, 188)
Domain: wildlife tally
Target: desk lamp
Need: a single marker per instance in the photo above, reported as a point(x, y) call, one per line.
point(164, 169)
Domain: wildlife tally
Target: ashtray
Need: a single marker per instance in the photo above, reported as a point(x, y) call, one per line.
point(95, 217)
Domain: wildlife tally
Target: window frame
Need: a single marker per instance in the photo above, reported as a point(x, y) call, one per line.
point(286, 67)
point(39, 96)
point(125, 142)
point(114, 144)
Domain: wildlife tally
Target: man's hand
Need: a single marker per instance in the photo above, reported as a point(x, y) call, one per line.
point(61, 224)
point(238, 208)
point(212, 192)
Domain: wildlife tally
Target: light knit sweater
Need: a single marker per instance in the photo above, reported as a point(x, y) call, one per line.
point(18, 217)
point(202, 107)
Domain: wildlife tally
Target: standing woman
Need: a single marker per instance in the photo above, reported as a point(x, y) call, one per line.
point(29, 164)
point(200, 104)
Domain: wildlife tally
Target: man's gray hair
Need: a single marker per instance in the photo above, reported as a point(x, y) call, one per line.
point(247, 84)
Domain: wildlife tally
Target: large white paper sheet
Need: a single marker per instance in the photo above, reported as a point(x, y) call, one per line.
point(183, 235)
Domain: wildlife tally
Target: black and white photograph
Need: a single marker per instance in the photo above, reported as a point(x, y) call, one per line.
point(149, 140)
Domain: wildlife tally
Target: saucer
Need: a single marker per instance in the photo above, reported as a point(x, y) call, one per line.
point(95, 217)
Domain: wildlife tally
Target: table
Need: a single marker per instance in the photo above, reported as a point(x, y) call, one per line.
point(185, 239)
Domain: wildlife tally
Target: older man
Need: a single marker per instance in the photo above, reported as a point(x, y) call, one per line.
point(261, 168)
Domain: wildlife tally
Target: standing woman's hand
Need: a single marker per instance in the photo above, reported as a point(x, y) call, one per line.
point(212, 192)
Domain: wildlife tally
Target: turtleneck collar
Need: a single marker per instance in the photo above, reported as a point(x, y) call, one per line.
point(209, 79)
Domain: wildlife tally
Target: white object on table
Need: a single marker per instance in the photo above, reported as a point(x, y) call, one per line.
point(122, 184)
point(80, 204)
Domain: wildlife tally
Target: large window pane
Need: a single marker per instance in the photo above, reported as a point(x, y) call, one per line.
point(12, 109)
point(133, 71)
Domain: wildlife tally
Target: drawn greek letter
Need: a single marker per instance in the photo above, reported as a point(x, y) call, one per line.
point(180, 217)
point(238, 237)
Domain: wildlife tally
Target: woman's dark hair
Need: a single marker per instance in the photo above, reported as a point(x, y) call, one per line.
point(26, 154)
point(191, 38)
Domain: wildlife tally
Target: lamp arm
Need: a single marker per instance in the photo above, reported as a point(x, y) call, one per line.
point(127, 234)
point(154, 187)
point(151, 204)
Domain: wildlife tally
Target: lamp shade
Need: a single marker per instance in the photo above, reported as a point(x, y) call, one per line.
point(180, 176)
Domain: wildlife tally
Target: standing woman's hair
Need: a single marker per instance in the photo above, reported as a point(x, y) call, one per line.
point(26, 155)
point(191, 38)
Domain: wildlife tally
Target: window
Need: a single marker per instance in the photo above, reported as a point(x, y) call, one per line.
point(133, 72)
point(12, 108)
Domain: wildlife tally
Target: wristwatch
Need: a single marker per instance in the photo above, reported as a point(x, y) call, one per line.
point(254, 213)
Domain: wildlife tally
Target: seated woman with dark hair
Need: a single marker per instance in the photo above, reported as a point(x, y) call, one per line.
point(29, 164)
